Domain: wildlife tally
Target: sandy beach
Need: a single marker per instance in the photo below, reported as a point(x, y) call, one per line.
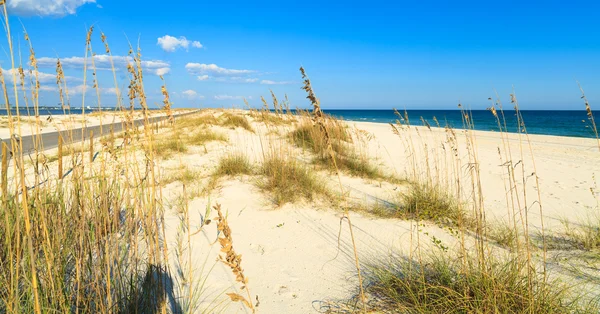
point(299, 256)
point(291, 253)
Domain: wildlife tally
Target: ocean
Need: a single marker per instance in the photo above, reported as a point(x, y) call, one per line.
point(562, 123)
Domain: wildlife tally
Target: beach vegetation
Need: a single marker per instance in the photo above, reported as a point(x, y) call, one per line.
point(287, 180)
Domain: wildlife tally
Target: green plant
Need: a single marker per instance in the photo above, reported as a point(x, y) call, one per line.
point(287, 181)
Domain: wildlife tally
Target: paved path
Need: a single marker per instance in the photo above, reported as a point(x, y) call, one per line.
point(50, 139)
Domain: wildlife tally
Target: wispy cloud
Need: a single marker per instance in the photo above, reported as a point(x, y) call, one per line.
point(229, 97)
point(103, 62)
point(45, 7)
point(170, 43)
point(30, 75)
point(192, 94)
point(214, 70)
point(80, 89)
point(244, 80)
point(269, 82)
point(202, 77)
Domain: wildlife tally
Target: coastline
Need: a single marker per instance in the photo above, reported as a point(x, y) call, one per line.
point(297, 254)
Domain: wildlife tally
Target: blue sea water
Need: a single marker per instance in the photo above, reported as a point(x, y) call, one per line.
point(561, 123)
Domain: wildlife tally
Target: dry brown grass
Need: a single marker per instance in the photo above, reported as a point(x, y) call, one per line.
point(233, 260)
point(233, 120)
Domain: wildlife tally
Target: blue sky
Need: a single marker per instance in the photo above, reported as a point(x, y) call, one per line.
point(359, 55)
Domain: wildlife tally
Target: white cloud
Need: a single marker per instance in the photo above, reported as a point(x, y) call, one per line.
point(213, 69)
point(89, 90)
point(202, 77)
point(162, 71)
point(103, 62)
point(229, 97)
point(244, 80)
point(30, 76)
point(79, 89)
point(269, 82)
point(191, 94)
point(46, 88)
point(170, 43)
point(109, 90)
point(45, 7)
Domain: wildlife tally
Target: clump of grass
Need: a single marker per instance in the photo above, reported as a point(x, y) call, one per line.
point(314, 137)
point(236, 121)
point(441, 285)
point(195, 121)
point(234, 164)
point(203, 136)
point(427, 202)
point(503, 235)
point(288, 181)
point(342, 156)
point(354, 165)
point(172, 143)
point(184, 175)
point(165, 148)
point(584, 235)
point(270, 118)
point(377, 208)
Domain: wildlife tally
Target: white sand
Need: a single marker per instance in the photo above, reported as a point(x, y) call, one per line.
point(291, 253)
point(299, 257)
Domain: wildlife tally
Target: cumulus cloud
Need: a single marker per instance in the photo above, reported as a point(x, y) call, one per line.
point(191, 94)
point(269, 82)
point(103, 62)
point(170, 43)
point(202, 77)
point(45, 7)
point(162, 71)
point(214, 70)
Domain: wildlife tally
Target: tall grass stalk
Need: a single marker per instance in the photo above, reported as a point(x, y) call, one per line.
point(318, 120)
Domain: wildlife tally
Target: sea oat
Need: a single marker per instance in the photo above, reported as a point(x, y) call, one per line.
point(231, 259)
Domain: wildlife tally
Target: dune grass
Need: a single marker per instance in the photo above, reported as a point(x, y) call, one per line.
point(313, 137)
point(503, 234)
point(441, 285)
point(286, 181)
point(184, 175)
point(166, 148)
point(425, 202)
point(196, 120)
point(175, 142)
point(584, 235)
point(334, 149)
point(236, 121)
point(234, 164)
point(271, 119)
point(204, 136)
